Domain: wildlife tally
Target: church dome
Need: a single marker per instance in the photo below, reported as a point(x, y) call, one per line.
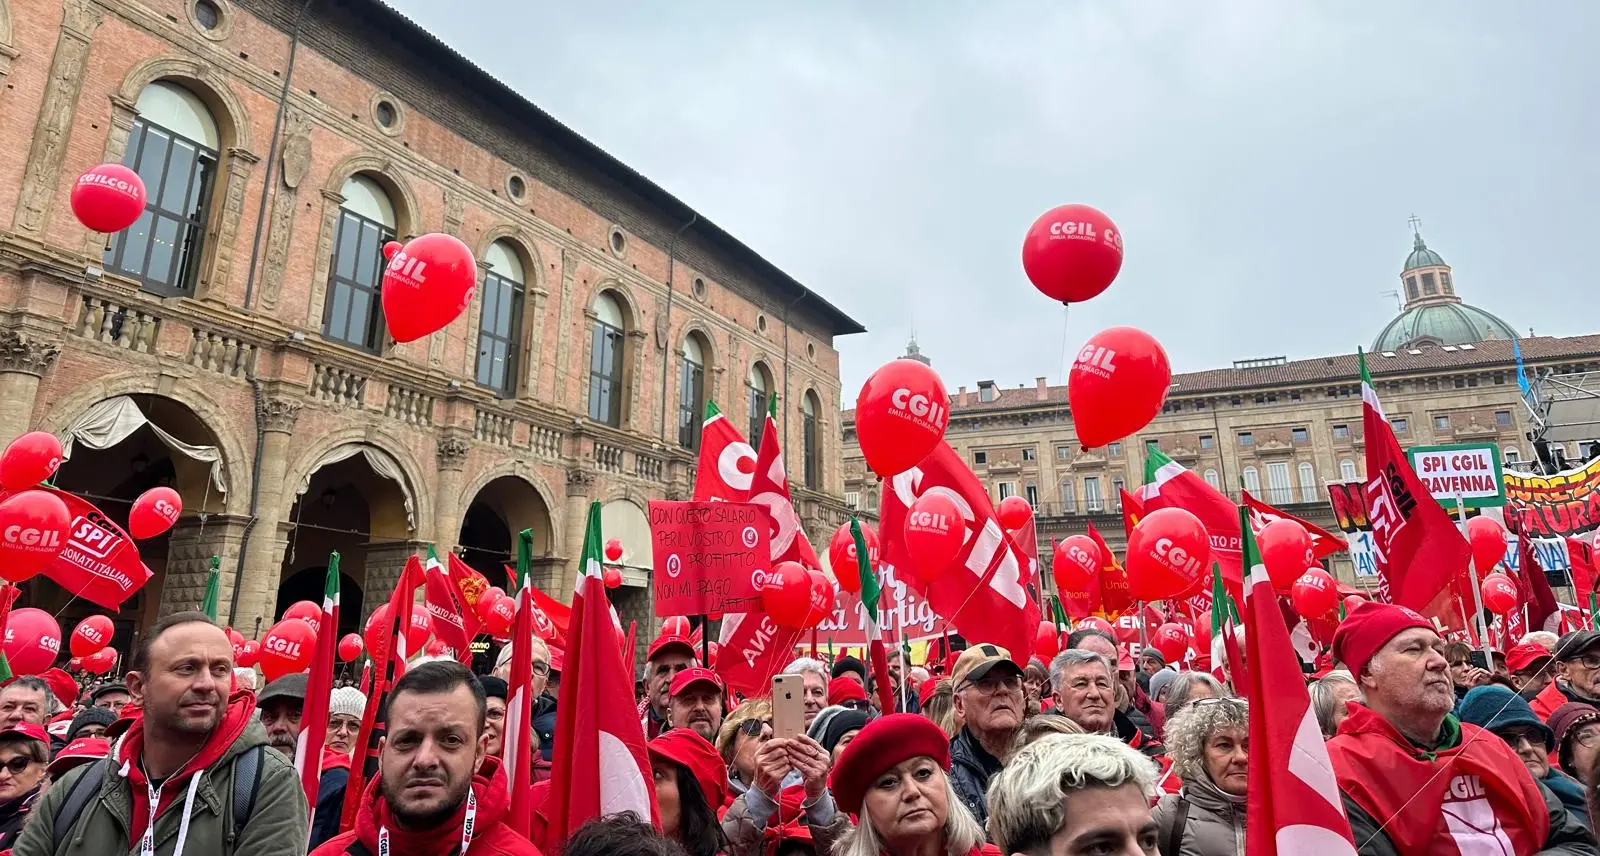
point(1421, 256)
point(1441, 324)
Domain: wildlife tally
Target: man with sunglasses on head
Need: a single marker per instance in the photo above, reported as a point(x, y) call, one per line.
point(988, 698)
point(1577, 674)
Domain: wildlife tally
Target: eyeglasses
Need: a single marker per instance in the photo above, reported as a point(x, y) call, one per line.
point(753, 727)
point(989, 686)
point(494, 714)
point(1588, 738)
point(1516, 737)
point(541, 669)
point(1202, 702)
point(16, 765)
point(1588, 661)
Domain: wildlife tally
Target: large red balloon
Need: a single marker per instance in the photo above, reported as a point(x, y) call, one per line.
point(676, 625)
point(1046, 641)
point(287, 648)
point(1014, 512)
point(1286, 551)
point(349, 647)
point(1076, 561)
point(612, 576)
point(822, 598)
point(154, 512)
point(1167, 554)
point(416, 635)
point(1315, 594)
point(486, 602)
point(91, 634)
point(1352, 601)
point(614, 550)
point(108, 198)
point(1095, 623)
point(32, 641)
point(1200, 642)
point(1072, 253)
point(901, 415)
point(33, 530)
point(1488, 541)
point(249, 654)
point(501, 614)
point(1500, 594)
point(934, 533)
point(304, 610)
point(426, 285)
point(1117, 385)
point(1172, 640)
point(100, 662)
point(29, 459)
point(786, 595)
point(842, 555)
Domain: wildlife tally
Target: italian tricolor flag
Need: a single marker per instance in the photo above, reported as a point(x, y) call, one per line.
point(870, 595)
point(1169, 484)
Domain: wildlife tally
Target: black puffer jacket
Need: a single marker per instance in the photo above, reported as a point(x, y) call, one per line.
point(971, 768)
point(13, 814)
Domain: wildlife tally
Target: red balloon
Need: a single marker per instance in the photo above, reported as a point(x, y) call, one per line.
point(1077, 559)
point(426, 285)
point(249, 655)
point(287, 648)
point(1172, 640)
point(1168, 553)
point(486, 602)
point(786, 595)
point(33, 530)
point(1046, 641)
point(676, 625)
point(1488, 541)
point(154, 512)
point(1014, 512)
point(349, 647)
point(613, 577)
point(91, 634)
point(108, 198)
point(435, 648)
point(842, 555)
point(32, 641)
point(75, 664)
point(1128, 628)
point(614, 550)
point(1072, 253)
point(1315, 594)
point(901, 414)
point(305, 610)
point(100, 662)
point(934, 531)
point(1286, 551)
point(380, 621)
point(1117, 385)
point(501, 613)
point(822, 598)
point(235, 638)
point(1200, 642)
point(1500, 594)
point(422, 627)
point(29, 459)
point(1352, 601)
point(1095, 623)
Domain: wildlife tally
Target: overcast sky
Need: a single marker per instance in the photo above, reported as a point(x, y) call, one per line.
point(1260, 156)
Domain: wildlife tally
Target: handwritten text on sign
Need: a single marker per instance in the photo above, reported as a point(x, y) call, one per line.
point(710, 557)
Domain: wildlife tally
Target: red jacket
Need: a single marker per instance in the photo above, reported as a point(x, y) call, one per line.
point(490, 837)
point(1472, 795)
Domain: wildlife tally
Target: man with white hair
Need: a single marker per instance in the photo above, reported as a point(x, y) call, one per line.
point(816, 678)
point(1086, 693)
point(1074, 793)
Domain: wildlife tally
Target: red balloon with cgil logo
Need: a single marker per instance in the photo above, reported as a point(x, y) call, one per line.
point(1117, 385)
point(304, 610)
point(1172, 640)
point(154, 512)
point(100, 662)
point(1487, 538)
point(1095, 623)
point(349, 647)
point(249, 654)
point(31, 458)
point(901, 415)
point(486, 602)
point(426, 284)
point(33, 531)
point(786, 595)
point(108, 198)
point(1077, 559)
point(1285, 551)
point(1500, 594)
point(675, 625)
point(91, 634)
point(381, 621)
point(1072, 253)
point(1014, 512)
point(842, 556)
point(1167, 554)
point(499, 616)
point(32, 641)
point(934, 531)
point(822, 598)
point(287, 648)
point(1315, 594)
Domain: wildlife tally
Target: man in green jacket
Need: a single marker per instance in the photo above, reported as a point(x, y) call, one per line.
point(191, 777)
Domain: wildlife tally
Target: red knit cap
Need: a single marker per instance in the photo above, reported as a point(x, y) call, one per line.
point(682, 746)
point(1369, 627)
point(842, 689)
point(885, 742)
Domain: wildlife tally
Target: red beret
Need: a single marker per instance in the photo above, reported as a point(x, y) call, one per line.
point(682, 746)
point(1369, 627)
point(885, 742)
point(842, 689)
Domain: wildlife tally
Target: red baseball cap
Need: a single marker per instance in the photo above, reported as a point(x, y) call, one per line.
point(695, 675)
point(687, 747)
point(662, 643)
point(1522, 656)
point(27, 731)
point(80, 751)
point(926, 692)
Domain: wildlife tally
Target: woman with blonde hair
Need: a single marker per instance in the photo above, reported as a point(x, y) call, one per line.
point(1209, 744)
point(743, 732)
point(940, 708)
point(895, 778)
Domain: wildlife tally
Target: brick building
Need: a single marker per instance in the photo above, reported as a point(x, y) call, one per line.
point(231, 342)
point(1284, 428)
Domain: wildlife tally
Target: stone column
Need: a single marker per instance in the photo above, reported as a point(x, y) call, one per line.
point(580, 487)
point(189, 550)
point(48, 151)
point(452, 458)
point(263, 554)
point(22, 363)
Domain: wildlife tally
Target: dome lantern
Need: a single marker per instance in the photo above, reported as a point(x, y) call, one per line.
point(1433, 312)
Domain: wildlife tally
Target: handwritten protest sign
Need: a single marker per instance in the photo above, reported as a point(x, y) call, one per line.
point(710, 557)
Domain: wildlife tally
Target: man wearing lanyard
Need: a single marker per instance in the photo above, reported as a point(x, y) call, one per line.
point(171, 784)
point(439, 791)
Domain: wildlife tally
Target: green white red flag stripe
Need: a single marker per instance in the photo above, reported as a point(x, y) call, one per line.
point(518, 737)
point(314, 718)
point(870, 595)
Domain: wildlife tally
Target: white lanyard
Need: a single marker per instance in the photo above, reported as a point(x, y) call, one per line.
point(467, 824)
point(147, 844)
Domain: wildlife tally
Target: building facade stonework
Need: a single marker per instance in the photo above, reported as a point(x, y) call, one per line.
point(281, 144)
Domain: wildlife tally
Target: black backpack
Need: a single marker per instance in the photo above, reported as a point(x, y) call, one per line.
point(246, 777)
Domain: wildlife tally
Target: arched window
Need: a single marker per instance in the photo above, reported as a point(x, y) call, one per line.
point(760, 388)
point(691, 391)
point(1347, 470)
point(500, 319)
point(366, 223)
point(1213, 479)
point(813, 447)
point(605, 361)
point(173, 147)
point(1511, 455)
point(1308, 482)
point(1252, 480)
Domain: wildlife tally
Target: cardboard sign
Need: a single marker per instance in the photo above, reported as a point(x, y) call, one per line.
point(1468, 470)
point(710, 557)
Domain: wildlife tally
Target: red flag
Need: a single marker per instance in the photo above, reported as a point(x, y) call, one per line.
point(1294, 805)
point(454, 623)
point(1533, 588)
point(1420, 551)
point(100, 563)
point(1581, 555)
point(1169, 484)
point(389, 655)
point(726, 460)
point(603, 767)
point(308, 747)
point(1115, 596)
point(983, 593)
point(518, 746)
point(1323, 542)
point(551, 617)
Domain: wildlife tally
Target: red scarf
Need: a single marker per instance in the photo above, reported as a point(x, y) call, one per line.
point(489, 786)
point(235, 718)
point(1463, 799)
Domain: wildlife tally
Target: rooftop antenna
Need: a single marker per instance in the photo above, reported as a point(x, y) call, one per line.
point(1399, 304)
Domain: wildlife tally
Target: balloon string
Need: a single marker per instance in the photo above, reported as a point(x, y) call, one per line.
point(1065, 319)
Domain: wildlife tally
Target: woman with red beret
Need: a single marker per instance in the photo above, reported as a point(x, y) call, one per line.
point(691, 788)
point(893, 777)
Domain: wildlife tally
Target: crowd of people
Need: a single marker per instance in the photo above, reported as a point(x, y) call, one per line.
point(1093, 752)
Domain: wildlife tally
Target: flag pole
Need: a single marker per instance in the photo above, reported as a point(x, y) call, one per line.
point(1477, 595)
point(705, 640)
